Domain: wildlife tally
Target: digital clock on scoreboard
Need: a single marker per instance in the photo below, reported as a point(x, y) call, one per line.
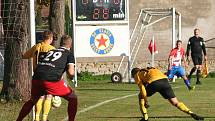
point(100, 10)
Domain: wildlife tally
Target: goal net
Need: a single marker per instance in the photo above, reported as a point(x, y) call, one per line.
point(161, 24)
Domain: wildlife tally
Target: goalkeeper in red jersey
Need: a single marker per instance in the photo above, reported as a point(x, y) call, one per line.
point(151, 80)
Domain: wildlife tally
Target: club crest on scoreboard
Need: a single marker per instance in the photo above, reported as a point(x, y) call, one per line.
point(102, 41)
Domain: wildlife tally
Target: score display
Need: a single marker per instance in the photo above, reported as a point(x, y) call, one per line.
point(100, 10)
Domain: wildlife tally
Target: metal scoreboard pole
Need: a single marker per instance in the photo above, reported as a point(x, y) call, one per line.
point(33, 37)
point(101, 28)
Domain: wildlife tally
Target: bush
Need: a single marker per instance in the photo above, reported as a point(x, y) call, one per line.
point(211, 75)
point(88, 76)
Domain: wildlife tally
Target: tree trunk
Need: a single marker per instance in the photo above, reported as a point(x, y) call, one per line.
point(57, 20)
point(16, 83)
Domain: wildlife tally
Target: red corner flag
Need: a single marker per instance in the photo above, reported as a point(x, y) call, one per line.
point(150, 47)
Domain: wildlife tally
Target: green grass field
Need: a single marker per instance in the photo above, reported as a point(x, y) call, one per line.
point(105, 101)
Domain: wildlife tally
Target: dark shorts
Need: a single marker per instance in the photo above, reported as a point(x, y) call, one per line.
point(197, 59)
point(41, 87)
point(162, 86)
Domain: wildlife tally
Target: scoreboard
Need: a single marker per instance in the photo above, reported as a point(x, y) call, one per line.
point(101, 28)
point(100, 10)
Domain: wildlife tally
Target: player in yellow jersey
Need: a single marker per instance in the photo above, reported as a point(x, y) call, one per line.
point(37, 52)
point(151, 80)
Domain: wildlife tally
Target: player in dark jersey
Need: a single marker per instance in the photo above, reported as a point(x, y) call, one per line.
point(197, 47)
point(47, 78)
point(151, 80)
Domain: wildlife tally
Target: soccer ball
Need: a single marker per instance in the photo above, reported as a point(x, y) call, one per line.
point(56, 101)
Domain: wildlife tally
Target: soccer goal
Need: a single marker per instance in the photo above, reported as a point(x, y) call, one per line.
point(161, 25)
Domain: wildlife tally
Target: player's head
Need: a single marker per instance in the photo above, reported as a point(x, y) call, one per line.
point(134, 72)
point(48, 36)
point(196, 32)
point(178, 44)
point(66, 41)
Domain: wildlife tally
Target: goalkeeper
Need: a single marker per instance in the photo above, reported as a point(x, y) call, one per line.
point(151, 80)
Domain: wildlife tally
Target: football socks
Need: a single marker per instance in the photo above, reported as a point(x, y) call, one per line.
point(46, 108)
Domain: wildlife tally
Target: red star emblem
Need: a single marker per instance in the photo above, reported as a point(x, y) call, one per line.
point(101, 41)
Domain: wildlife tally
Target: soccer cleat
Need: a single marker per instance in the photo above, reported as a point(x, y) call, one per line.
point(196, 117)
point(191, 88)
point(198, 83)
point(145, 117)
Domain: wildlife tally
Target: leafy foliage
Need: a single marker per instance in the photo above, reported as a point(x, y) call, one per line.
point(43, 2)
point(89, 76)
point(211, 75)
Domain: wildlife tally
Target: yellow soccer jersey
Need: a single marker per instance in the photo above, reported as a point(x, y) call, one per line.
point(147, 76)
point(36, 50)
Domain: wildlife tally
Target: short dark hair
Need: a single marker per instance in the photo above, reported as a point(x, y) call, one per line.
point(134, 72)
point(47, 34)
point(196, 29)
point(178, 41)
point(65, 39)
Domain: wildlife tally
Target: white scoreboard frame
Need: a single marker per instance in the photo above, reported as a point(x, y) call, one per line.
point(83, 32)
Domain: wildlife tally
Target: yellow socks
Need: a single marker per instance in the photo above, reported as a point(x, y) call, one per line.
point(46, 108)
point(183, 108)
point(142, 107)
point(38, 109)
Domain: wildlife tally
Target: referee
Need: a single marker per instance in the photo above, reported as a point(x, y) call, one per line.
point(197, 47)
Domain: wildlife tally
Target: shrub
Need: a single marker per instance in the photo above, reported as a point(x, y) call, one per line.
point(89, 76)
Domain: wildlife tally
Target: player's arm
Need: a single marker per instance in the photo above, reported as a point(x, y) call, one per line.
point(188, 50)
point(184, 60)
point(71, 70)
point(141, 87)
point(71, 66)
point(170, 62)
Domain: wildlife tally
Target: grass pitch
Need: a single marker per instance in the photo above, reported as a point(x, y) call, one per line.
point(105, 101)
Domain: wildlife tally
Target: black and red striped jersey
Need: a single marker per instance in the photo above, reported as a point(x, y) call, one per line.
point(53, 65)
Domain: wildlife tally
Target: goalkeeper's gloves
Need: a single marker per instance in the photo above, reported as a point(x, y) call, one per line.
point(196, 117)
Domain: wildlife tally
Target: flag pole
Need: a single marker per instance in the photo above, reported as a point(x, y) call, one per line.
point(153, 53)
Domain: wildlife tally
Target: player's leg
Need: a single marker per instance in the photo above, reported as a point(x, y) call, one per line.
point(198, 66)
point(143, 107)
point(198, 74)
point(72, 105)
point(26, 108)
point(46, 107)
point(36, 92)
point(181, 106)
point(181, 73)
point(38, 108)
point(60, 88)
point(171, 74)
point(195, 62)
